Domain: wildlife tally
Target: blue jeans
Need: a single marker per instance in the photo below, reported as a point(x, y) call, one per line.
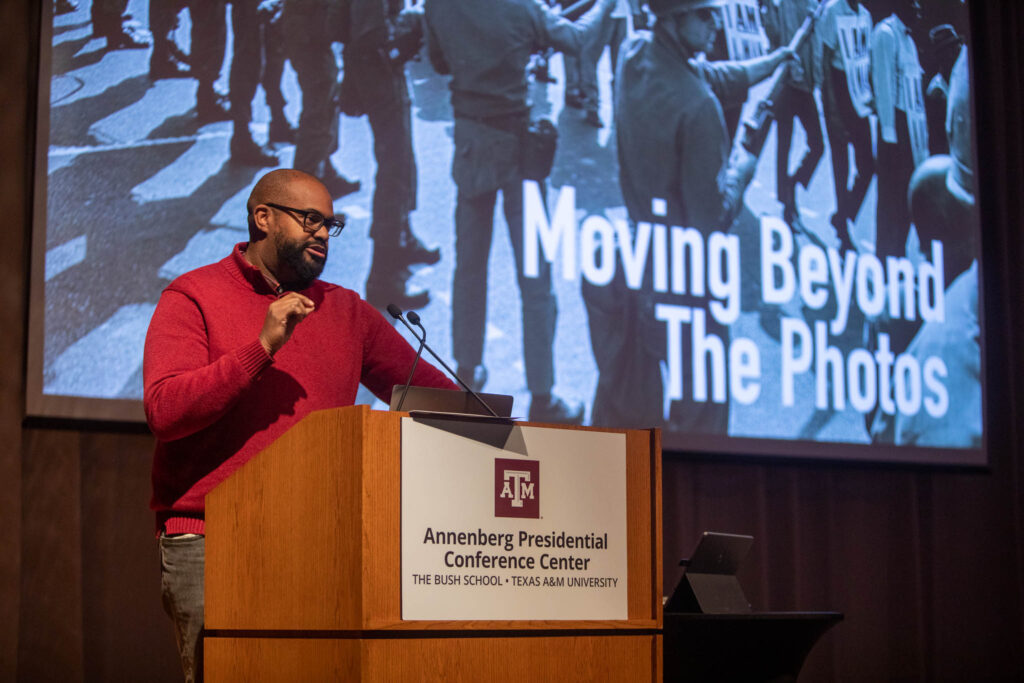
point(182, 559)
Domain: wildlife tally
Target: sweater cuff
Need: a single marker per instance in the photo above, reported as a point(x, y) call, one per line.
point(184, 525)
point(254, 358)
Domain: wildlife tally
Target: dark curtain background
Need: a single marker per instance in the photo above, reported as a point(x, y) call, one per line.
point(927, 565)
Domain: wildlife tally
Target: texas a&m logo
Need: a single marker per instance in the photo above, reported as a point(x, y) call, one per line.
point(516, 488)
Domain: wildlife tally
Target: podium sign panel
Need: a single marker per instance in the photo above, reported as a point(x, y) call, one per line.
point(510, 522)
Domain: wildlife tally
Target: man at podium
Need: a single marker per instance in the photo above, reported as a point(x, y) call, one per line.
point(239, 351)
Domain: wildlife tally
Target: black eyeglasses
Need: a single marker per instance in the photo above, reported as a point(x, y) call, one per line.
point(313, 220)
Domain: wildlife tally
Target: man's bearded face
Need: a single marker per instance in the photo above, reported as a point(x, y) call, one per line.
point(304, 257)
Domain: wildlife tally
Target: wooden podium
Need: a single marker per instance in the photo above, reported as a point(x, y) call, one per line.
point(303, 573)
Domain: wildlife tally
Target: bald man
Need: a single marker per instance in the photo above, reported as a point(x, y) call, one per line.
point(239, 351)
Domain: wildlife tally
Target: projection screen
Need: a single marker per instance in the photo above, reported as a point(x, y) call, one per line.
point(804, 326)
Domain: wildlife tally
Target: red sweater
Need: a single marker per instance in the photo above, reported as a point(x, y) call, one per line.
point(214, 397)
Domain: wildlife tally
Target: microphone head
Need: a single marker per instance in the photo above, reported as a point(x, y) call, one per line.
point(413, 317)
point(395, 311)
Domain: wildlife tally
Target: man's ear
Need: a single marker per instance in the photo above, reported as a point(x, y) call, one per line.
point(261, 219)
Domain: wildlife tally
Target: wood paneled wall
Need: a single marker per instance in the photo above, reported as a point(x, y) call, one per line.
point(14, 65)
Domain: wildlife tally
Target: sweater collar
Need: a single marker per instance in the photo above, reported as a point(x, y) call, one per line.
point(249, 274)
point(253, 277)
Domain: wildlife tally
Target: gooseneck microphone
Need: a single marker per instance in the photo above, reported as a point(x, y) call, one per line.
point(415, 319)
point(396, 313)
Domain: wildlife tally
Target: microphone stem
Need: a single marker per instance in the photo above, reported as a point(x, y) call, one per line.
point(408, 382)
point(445, 366)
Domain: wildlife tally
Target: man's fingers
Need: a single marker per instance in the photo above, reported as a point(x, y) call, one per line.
point(296, 304)
point(282, 316)
point(295, 296)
